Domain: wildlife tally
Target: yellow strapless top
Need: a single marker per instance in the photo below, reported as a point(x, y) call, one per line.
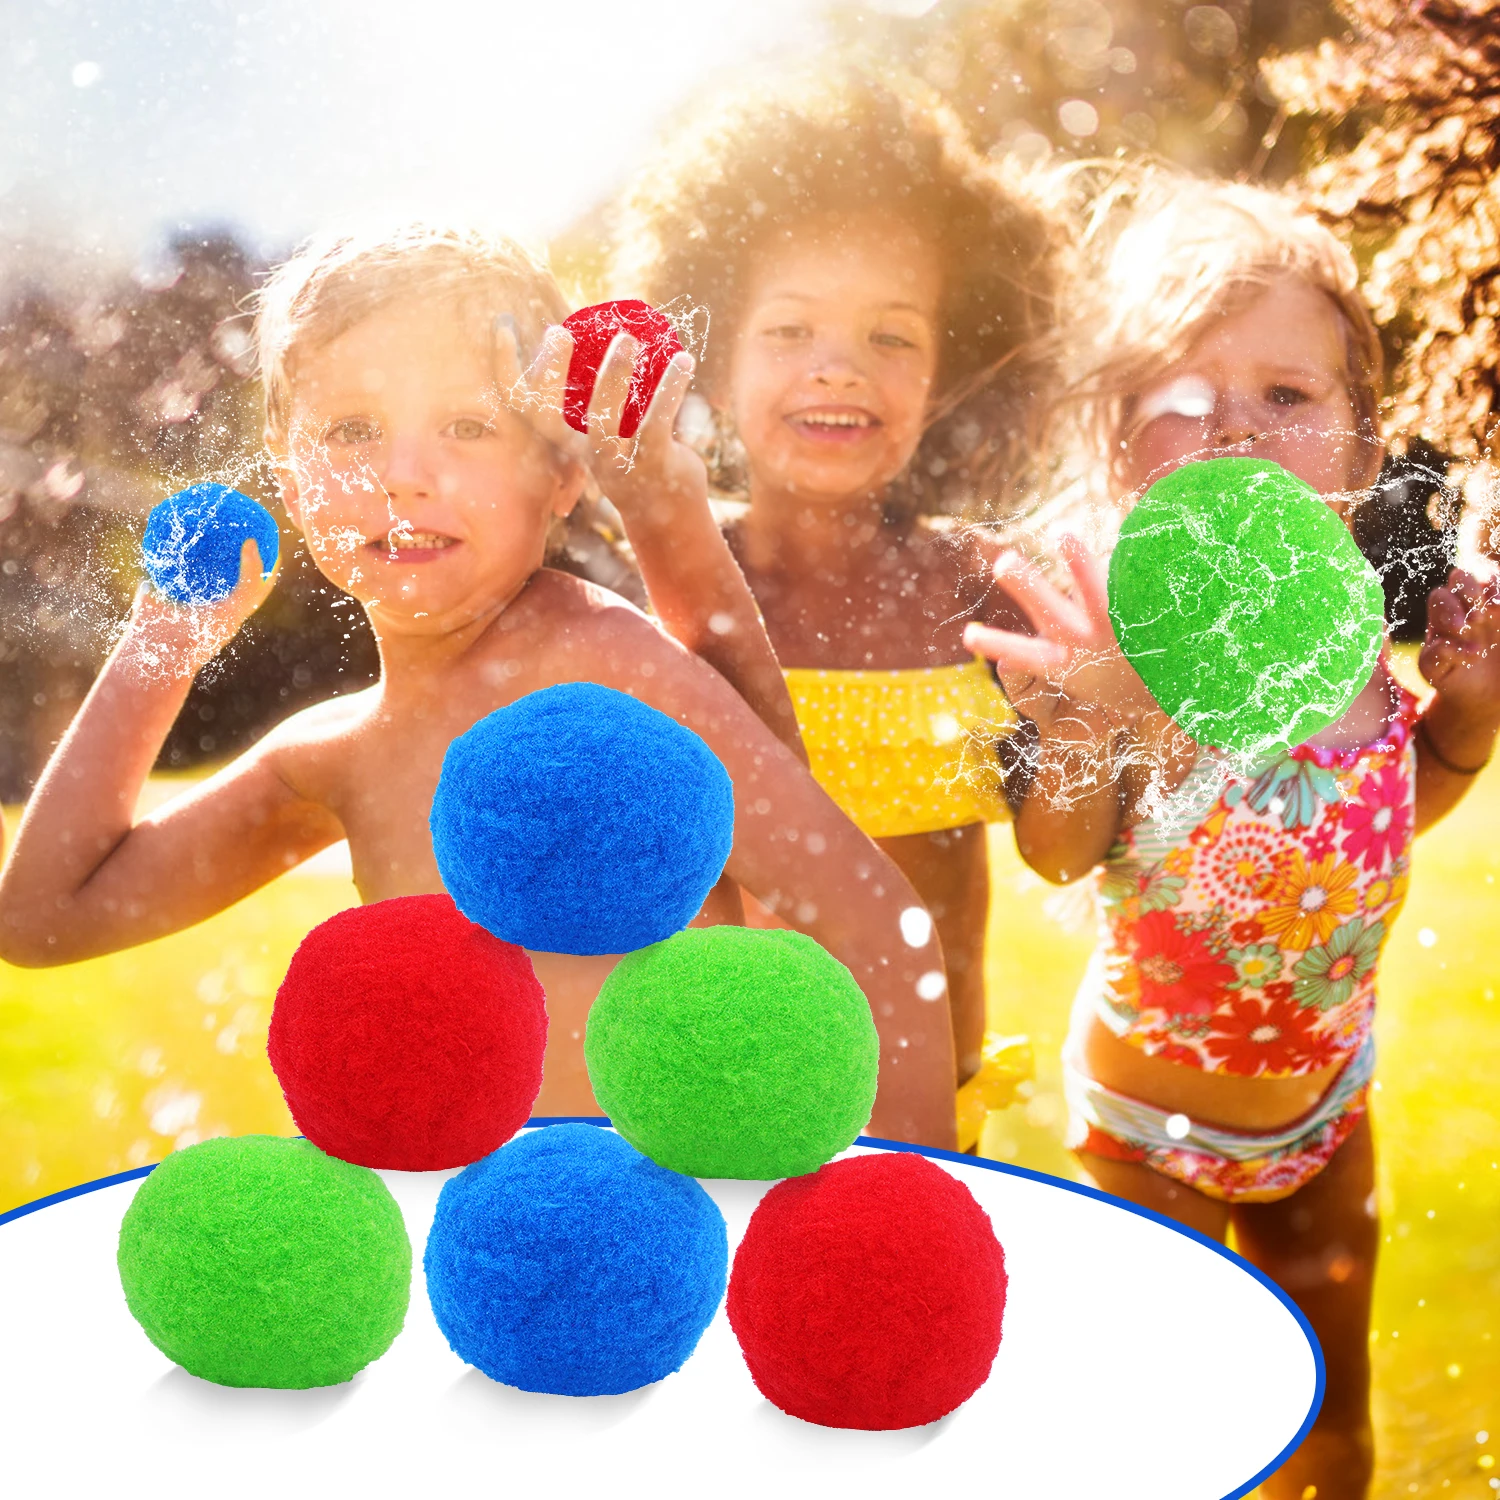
point(908, 751)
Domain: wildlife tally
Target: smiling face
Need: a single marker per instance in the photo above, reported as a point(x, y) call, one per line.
point(834, 359)
point(417, 491)
point(1266, 381)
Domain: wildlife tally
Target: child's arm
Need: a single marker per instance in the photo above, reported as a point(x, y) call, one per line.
point(1103, 740)
point(798, 854)
point(84, 877)
point(1461, 659)
point(660, 487)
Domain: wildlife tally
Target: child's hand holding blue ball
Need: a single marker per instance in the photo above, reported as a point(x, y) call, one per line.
point(195, 543)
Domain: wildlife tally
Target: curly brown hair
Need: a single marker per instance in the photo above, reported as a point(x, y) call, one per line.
point(766, 160)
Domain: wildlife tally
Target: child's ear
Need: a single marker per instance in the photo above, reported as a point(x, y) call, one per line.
point(571, 476)
point(1369, 457)
point(286, 485)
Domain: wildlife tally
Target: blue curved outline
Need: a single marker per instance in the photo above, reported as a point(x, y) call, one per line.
point(1030, 1174)
point(75, 1192)
point(1027, 1174)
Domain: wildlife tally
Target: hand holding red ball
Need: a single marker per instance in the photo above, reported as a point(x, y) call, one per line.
point(594, 329)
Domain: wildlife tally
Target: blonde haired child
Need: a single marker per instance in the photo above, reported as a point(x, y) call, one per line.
point(876, 291)
point(420, 491)
point(1221, 1050)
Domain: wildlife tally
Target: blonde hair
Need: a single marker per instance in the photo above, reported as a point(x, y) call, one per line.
point(768, 158)
point(1161, 255)
point(333, 282)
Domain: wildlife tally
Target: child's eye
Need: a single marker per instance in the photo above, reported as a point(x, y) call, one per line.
point(352, 430)
point(1286, 395)
point(469, 428)
point(892, 341)
point(787, 331)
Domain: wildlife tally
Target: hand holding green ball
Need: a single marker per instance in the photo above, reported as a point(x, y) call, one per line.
point(1242, 601)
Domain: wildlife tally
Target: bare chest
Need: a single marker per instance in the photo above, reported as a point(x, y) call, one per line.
point(875, 612)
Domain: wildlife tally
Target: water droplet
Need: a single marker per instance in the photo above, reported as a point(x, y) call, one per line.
point(916, 926)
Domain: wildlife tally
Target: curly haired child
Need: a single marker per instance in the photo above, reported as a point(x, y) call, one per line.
point(876, 294)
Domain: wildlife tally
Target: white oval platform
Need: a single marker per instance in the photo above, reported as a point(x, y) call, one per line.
point(1138, 1361)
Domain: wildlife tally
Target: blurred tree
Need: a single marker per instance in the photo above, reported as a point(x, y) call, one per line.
point(1092, 77)
point(1407, 109)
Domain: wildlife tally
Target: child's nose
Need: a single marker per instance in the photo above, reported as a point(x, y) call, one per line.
point(1233, 423)
point(837, 368)
point(408, 468)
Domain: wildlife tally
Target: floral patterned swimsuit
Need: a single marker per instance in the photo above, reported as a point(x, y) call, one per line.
point(1243, 938)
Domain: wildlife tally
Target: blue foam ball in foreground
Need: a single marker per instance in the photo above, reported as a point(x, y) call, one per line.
point(568, 1263)
point(579, 820)
point(193, 541)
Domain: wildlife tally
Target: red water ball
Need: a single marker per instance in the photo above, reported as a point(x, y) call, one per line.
point(406, 1037)
point(869, 1294)
point(594, 329)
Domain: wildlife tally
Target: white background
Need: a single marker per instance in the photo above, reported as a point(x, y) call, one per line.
point(1136, 1362)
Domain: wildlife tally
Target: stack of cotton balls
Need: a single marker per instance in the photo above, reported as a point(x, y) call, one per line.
point(409, 1035)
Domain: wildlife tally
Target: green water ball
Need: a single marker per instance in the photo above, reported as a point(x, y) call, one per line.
point(1241, 599)
point(259, 1261)
point(733, 1052)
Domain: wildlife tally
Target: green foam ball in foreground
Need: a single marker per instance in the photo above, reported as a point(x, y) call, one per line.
point(732, 1052)
point(259, 1261)
point(1243, 602)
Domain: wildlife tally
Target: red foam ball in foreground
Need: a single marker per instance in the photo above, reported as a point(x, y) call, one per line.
point(594, 329)
point(406, 1037)
point(869, 1294)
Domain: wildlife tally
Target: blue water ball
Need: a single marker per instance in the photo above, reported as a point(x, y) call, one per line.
point(568, 1263)
point(193, 540)
point(579, 820)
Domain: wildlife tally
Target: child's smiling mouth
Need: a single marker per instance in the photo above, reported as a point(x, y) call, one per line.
point(833, 424)
point(405, 544)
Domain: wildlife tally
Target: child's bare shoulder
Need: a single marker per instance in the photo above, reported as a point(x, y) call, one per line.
point(578, 621)
point(588, 634)
point(309, 746)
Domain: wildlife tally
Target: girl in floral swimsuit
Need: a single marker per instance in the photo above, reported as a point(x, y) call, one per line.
point(1220, 1056)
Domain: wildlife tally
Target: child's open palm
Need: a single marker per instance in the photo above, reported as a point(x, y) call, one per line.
point(1073, 660)
point(1461, 654)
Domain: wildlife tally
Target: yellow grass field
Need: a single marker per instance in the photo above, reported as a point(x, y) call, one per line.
point(109, 1064)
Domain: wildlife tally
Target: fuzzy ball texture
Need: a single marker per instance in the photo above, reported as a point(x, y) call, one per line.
point(870, 1294)
point(193, 540)
point(259, 1261)
point(578, 820)
point(732, 1052)
point(568, 1263)
point(594, 329)
point(1243, 602)
point(406, 1037)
